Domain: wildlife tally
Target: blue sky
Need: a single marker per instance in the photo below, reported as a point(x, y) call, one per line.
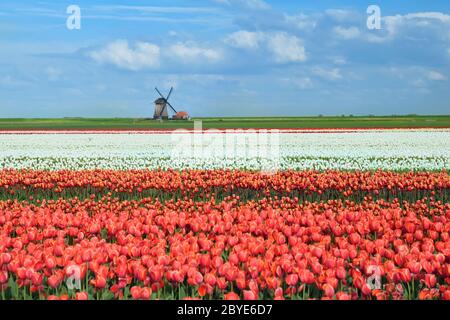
point(224, 58)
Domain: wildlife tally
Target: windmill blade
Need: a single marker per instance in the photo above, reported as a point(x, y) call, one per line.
point(172, 107)
point(170, 92)
point(160, 93)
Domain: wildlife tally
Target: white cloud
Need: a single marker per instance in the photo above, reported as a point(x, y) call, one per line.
point(393, 26)
point(436, 76)
point(301, 21)
point(341, 15)
point(179, 80)
point(245, 39)
point(119, 53)
point(303, 83)
point(251, 4)
point(8, 81)
point(390, 28)
point(419, 83)
point(73, 92)
point(332, 74)
point(286, 48)
point(339, 60)
point(52, 73)
point(429, 15)
point(156, 9)
point(346, 33)
point(189, 52)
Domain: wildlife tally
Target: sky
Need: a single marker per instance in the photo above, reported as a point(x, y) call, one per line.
point(224, 57)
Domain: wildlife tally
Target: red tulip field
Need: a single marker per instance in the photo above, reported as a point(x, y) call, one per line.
point(224, 234)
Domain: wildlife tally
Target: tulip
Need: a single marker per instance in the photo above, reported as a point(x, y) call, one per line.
point(342, 296)
point(50, 262)
point(405, 275)
point(81, 296)
point(292, 279)
point(231, 296)
point(202, 290)
point(221, 283)
point(430, 280)
point(210, 279)
point(328, 290)
point(446, 295)
point(99, 282)
point(249, 295)
point(5, 258)
point(341, 274)
point(54, 281)
point(146, 293)
point(136, 292)
point(366, 290)
point(279, 295)
point(196, 279)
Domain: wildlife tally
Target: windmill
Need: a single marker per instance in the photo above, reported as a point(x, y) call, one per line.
point(161, 111)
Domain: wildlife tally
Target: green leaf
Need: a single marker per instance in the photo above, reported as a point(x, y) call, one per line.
point(12, 284)
point(182, 293)
point(126, 293)
point(107, 295)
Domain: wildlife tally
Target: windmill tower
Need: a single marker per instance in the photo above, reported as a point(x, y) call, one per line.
point(161, 110)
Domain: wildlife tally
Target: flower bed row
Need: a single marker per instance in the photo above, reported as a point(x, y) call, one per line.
point(271, 248)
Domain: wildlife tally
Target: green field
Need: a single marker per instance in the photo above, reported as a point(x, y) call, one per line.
point(223, 123)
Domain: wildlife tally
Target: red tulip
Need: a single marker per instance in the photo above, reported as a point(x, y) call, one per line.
point(3, 277)
point(430, 280)
point(341, 274)
point(366, 290)
point(231, 296)
point(249, 295)
point(146, 293)
point(405, 275)
point(81, 296)
point(202, 290)
point(446, 295)
point(279, 295)
point(54, 281)
point(99, 282)
point(328, 290)
point(210, 279)
point(136, 292)
point(342, 296)
point(292, 279)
